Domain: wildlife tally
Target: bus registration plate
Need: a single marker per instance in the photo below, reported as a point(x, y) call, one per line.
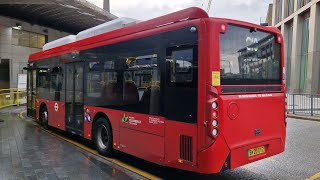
point(256, 151)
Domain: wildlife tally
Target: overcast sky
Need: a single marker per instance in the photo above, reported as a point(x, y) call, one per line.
point(246, 10)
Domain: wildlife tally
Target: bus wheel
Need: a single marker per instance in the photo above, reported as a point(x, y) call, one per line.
point(103, 137)
point(44, 118)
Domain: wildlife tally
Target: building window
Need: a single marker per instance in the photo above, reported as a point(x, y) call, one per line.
point(28, 39)
point(289, 7)
point(302, 3)
point(304, 53)
point(278, 11)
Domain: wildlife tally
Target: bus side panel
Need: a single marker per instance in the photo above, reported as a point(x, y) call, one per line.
point(180, 152)
point(142, 135)
point(143, 145)
point(56, 114)
point(212, 159)
point(113, 116)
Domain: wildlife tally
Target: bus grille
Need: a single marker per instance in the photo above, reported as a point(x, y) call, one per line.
point(186, 148)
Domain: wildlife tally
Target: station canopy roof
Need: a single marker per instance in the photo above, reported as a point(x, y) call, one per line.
point(70, 16)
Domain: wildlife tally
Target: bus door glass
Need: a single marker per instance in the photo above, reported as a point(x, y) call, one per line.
point(31, 92)
point(181, 84)
point(74, 97)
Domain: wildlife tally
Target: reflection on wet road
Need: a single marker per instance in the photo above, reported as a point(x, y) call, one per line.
point(27, 152)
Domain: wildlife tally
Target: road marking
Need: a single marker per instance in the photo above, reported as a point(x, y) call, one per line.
point(20, 114)
point(314, 177)
point(94, 152)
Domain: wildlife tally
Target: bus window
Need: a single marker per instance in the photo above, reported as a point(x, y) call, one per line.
point(43, 84)
point(143, 75)
point(181, 65)
point(56, 83)
point(101, 78)
point(249, 56)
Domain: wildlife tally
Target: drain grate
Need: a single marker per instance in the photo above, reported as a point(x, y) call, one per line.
point(1, 120)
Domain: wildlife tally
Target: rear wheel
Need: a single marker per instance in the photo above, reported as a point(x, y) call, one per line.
point(44, 117)
point(103, 137)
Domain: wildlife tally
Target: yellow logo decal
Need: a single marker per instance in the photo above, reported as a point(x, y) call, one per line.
point(215, 78)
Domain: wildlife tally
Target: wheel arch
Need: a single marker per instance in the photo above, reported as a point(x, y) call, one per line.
point(100, 115)
point(42, 105)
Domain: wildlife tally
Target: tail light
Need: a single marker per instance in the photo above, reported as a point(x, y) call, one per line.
point(285, 111)
point(213, 118)
point(212, 122)
point(214, 114)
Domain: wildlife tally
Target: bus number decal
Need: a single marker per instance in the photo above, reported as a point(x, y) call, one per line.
point(215, 78)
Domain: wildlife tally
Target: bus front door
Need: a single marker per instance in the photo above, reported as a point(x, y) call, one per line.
point(31, 93)
point(74, 98)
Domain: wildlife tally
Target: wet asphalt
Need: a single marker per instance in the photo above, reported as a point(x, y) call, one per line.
point(24, 144)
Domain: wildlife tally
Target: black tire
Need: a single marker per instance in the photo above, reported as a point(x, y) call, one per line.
point(44, 117)
point(102, 137)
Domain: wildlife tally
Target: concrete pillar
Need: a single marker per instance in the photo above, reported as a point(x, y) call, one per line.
point(296, 52)
point(274, 13)
point(295, 6)
point(313, 52)
point(283, 9)
point(106, 5)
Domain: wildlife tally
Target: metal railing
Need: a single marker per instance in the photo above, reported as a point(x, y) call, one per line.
point(12, 97)
point(304, 104)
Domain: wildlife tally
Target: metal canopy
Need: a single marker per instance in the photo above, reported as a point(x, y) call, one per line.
point(70, 16)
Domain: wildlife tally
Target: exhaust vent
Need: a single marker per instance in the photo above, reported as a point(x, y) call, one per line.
point(186, 148)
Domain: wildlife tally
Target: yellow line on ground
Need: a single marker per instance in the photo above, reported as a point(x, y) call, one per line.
point(20, 114)
point(94, 152)
point(314, 177)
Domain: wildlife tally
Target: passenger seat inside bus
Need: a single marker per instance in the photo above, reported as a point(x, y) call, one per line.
point(131, 95)
point(110, 93)
point(151, 100)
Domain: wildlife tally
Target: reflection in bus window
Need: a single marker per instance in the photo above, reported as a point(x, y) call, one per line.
point(249, 56)
point(99, 76)
point(181, 65)
point(130, 82)
point(143, 76)
point(56, 83)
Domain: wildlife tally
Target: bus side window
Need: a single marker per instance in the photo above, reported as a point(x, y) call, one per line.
point(57, 82)
point(180, 66)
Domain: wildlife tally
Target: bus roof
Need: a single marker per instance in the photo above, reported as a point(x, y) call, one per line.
point(187, 14)
point(179, 16)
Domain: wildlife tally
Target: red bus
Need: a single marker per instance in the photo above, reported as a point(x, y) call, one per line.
point(183, 90)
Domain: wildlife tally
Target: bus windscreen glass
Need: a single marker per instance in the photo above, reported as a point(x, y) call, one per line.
point(249, 57)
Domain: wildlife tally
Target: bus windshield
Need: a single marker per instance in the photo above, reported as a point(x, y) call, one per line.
point(249, 57)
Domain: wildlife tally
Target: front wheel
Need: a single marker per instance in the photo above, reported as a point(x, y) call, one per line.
point(103, 137)
point(44, 118)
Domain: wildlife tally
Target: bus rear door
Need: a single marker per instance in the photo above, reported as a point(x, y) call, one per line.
point(74, 98)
